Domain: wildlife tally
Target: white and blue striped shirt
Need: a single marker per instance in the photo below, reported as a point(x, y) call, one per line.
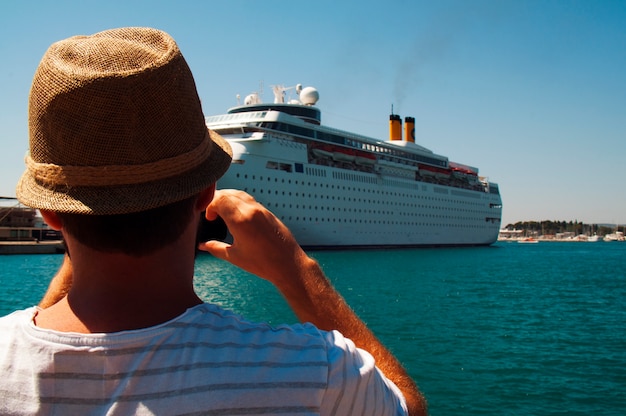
point(208, 361)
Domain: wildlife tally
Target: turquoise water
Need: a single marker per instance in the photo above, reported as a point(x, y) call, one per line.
point(512, 329)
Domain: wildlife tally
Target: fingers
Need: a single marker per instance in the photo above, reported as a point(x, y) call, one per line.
point(262, 244)
point(227, 203)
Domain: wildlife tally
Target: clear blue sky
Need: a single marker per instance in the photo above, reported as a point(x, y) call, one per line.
point(533, 93)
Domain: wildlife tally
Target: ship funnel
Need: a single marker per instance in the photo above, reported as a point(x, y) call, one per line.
point(395, 127)
point(409, 129)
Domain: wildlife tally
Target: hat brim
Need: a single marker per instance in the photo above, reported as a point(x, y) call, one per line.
point(126, 199)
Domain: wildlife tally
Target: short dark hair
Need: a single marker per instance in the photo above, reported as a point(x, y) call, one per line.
point(134, 234)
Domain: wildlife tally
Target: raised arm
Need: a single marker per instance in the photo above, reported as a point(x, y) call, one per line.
point(265, 247)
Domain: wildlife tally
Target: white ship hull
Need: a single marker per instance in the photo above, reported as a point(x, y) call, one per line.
point(330, 202)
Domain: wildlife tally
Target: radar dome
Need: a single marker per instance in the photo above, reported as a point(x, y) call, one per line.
point(309, 96)
point(252, 99)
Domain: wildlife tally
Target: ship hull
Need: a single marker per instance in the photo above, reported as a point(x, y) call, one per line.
point(329, 207)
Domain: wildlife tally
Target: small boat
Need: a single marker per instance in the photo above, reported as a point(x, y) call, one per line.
point(528, 240)
point(434, 171)
point(363, 158)
point(322, 152)
point(616, 236)
point(344, 155)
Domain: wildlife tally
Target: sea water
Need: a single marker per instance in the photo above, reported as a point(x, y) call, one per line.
point(512, 329)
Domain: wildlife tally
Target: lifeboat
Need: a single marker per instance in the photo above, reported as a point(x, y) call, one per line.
point(464, 172)
point(323, 151)
point(344, 155)
point(364, 158)
point(434, 171)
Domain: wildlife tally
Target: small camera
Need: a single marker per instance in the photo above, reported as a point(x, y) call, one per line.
point(211, 230)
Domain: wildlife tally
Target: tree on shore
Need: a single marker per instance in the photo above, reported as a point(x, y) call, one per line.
point(548, 227)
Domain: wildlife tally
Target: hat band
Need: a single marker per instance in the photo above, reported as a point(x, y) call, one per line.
point(110, 175)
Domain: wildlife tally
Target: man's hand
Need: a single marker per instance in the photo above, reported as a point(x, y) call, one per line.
point(262, 244)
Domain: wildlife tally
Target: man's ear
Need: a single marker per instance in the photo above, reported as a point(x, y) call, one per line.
point(205, 198)
point(52, 219)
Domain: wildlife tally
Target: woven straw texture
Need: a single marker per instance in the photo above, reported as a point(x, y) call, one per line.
point(116, 126)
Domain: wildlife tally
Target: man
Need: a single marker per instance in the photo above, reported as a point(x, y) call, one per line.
point(120, 160)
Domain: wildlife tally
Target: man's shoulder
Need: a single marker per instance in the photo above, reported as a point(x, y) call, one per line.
point(13, 330)
point(17, 318)
point(210, 317)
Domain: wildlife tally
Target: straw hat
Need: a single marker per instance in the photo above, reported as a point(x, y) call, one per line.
point(116, 126)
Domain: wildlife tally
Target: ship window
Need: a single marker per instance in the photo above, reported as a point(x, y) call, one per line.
point(278, 166)
point(329, 137)
point(289, 128)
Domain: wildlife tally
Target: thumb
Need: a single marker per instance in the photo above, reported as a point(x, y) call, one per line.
point(216, 248)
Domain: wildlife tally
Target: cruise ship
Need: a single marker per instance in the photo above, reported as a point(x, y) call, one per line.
point(336, 189)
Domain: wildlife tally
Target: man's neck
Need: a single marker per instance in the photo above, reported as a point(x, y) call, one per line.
point(115, 292)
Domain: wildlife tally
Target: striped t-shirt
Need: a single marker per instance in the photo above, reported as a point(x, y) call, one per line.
point(206, 361)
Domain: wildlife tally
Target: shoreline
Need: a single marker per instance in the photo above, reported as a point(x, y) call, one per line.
point(32, 247)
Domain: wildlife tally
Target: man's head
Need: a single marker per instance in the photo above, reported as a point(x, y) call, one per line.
point(116, 127)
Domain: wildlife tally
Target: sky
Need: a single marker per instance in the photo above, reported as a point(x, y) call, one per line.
point(531, 92)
